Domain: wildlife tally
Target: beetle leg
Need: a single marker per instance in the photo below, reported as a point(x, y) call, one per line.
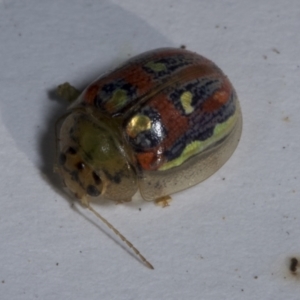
point(67, 92)
point(163, 201)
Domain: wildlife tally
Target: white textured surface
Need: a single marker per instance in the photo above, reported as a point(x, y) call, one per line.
point(215, 238)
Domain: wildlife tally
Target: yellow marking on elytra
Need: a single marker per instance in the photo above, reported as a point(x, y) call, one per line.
point(198, 146)
point(138, 124)
point(85, 202)
point(156, 67)
point(118, 99)
point(186, 101)
point(225, 127)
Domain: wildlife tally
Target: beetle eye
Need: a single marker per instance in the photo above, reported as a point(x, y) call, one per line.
point(80, 166)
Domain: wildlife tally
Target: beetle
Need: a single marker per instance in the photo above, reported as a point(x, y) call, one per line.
point(162, 122)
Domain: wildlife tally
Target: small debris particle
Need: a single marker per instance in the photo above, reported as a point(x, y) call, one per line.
point(183, 46)
point(140, 209)
point(265, 56)
point(293, 264)
point(276, 50)
point(57, 264)
point(3, 281)
point(255, 277)
point(286, 119)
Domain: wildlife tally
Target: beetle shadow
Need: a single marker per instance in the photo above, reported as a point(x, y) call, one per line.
point(107, 31)
point(109, 35)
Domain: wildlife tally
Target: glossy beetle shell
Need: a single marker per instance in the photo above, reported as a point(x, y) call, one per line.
point(162, 122)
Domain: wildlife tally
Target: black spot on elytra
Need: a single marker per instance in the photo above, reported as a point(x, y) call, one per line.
point(71, 150)
point(114, 178)
point(62, 159)
point(92, 191)
point(96, 178)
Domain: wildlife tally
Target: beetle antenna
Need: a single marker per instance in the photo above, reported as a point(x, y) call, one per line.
point(130, 245)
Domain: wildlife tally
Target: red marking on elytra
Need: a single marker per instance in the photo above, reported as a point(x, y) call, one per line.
point(171, 118)
point(137, 77)
point(218, 99)
point(91, 93)
point(146, 160)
